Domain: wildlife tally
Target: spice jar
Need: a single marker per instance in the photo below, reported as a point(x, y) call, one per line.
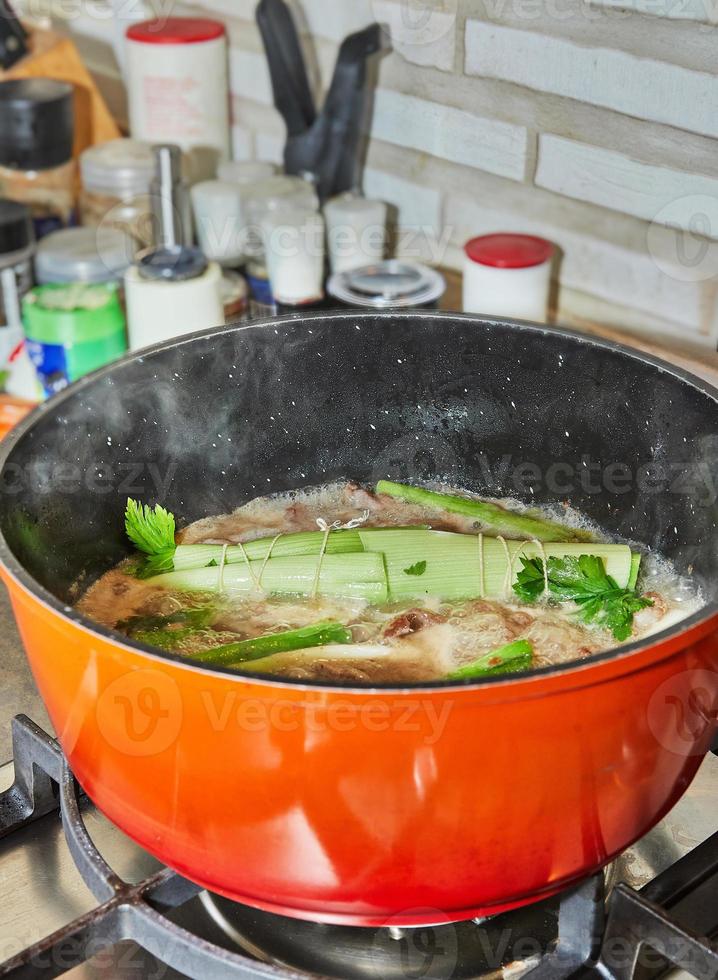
point(116, 178)
point(294, 250)
point(267, 198)
point(17, 246)
point(356, 231)
point(71, 330)
point(36, 134)
point(508, 275)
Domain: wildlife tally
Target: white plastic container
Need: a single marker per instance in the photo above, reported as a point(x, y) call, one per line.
point(294, 250)
point(160, 309)
point(219, 221)
point(356, 232)
point(177, 88)
point(508, 275)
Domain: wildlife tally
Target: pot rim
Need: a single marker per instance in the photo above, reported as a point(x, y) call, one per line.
point(699, 621)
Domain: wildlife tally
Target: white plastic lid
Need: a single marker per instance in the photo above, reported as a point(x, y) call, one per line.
point(120, 168)
point(389, 284)
point(245, 171)
point(84, 255)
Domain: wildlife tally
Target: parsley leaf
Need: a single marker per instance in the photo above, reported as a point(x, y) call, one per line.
point(583, 580)
point(417, 569)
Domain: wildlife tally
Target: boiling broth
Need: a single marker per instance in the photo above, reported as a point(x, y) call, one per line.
point(390, 642)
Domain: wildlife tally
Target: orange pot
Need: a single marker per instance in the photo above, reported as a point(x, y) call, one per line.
point(354, 805)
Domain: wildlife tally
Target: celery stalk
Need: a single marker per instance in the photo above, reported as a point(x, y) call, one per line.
point(488, 514)
point(352, 575)
point(509, 659)
point(242, 651)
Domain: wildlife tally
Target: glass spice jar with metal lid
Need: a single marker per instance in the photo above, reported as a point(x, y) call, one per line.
point(116, 179)
point(88, 255)
point(17, 246)
point(36, 136)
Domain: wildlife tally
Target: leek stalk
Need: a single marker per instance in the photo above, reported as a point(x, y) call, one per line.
point(332, 651)
point(488, 514)
point(359, 575)
point(260, 647)
point(467, 566)
point(509, 659)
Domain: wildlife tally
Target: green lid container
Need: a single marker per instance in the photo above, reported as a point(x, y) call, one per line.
point(73, 329)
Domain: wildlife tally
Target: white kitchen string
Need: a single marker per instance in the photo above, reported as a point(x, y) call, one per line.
point(482, 574)
point(267, 557)
point(544, 561)
point(222, 562)
point(253, 577)
point(328, 528)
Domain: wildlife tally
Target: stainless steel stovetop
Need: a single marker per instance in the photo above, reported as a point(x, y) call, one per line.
point(42, 891)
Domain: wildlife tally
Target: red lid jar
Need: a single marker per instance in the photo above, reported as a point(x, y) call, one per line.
point(507, 251)
point(178, 89)
point(176, 30)
point(508, 275)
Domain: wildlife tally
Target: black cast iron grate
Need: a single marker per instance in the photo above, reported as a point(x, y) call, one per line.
point(636, 935)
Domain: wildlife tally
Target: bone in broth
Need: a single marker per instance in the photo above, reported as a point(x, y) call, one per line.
point(398, 584)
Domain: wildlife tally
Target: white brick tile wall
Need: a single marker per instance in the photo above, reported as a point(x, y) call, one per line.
point(590, 264)
point(242, 143)
point(244, 9)
point(700, 10)
point(616, 181)
point(270, 147)
point(333, 19)
point(418, 207)
point(249, 76)
point(640, 87)
point(424, 34)
point(452, 134)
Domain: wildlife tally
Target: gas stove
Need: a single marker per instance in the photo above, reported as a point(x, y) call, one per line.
point(83, 901)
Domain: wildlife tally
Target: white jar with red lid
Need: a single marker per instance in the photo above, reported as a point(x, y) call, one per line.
point(177, 88)
point(508, 275)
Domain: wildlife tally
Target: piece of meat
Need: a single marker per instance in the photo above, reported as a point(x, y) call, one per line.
point(411, 621)
point(647, 618)
point(363, 499)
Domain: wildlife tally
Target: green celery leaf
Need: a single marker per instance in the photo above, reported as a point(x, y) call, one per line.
point(150, 529)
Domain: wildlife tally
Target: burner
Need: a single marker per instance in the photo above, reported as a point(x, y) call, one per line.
point(508, 945)
point(168, 920)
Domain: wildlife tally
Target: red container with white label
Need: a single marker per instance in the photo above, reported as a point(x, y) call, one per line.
point(177, 87)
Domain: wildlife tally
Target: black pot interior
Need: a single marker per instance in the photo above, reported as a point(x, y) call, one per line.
point(499, 408)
